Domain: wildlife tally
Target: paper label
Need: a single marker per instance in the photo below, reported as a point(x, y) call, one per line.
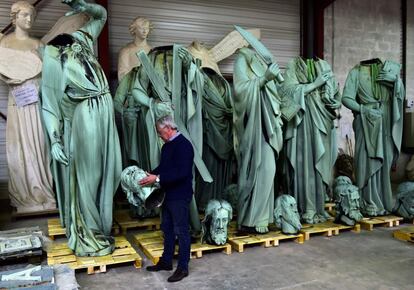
point(25, 94)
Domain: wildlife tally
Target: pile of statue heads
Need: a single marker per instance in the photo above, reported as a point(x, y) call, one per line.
point(218, 214)
point(347, 201)
point(404, 205)
point(137, 194)
point(286, 214)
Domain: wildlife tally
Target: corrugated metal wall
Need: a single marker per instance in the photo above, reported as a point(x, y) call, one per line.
point(182, 21)
point(177, 22)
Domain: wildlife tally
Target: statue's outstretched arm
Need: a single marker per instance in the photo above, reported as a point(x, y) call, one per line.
point(97, 13)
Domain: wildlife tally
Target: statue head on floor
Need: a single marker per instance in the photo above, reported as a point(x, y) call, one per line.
point(218, 214)
point(404, 204)
point(347, 201)
point(286, 214)
point(137, 195)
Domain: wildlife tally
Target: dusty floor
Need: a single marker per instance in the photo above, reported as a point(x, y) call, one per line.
point(368, 260)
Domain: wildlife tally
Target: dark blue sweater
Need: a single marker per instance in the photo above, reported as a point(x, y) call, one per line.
point(176, 169)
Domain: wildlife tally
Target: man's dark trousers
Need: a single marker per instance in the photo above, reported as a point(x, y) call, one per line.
point(175, 222)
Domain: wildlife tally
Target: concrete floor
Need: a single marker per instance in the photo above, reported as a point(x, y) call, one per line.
point(369, 260)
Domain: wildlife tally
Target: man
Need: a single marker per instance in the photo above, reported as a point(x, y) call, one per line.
point(175, 175)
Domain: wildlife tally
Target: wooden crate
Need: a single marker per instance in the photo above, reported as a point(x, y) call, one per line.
point(125, 221)
point(55, 229)
point(269, 239)
point(383, 221)
point(152, 245)
point(405, 234)
point(59, 253)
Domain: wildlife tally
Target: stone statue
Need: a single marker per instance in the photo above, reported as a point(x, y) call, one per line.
point(79, 117)
point(135, 142)
point(137, 194)
point(217, 114)
point(30, 179)
point(310, 135)
point(258, 134)
point(231, 194)
point(404, 205)
point(286, 214)
point(218, 215)
point(139, 28)
point(375, 93)
point(347, 200)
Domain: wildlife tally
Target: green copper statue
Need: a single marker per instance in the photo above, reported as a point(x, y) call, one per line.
point(404, 205)
point(375, 93)
point(346, 196)
point(217, 119)
point(218, 215)
point(286, 214)
point(310, 135)
point(79, 116)
point(258, 130)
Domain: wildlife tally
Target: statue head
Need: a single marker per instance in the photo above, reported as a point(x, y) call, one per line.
point(286, 214)
point(346, 197)
point(23, 15)
point(140, 28)
point(218, 214)
point(404, 204)
point(137, 195)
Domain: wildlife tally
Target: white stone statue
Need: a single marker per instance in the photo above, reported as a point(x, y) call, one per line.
point(30, 180)
point(127, 59)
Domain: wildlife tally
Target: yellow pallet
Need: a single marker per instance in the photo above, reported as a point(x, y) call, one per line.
point(59, 253)
point(269, 239)
point(152, 245)
point(329, 206)
point(405, 234)
point(125, 221)
point(340, 227)
point(327, 228)
point(386, 221)
point(55, 229)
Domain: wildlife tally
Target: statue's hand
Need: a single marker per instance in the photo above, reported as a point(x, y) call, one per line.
point(371, 112)
point(272, 71)
point(162, 109)
point(185, 56)
point(334, 105)
point(322, 79)
point(77, 6)
point(387, 77)
point(58, 154)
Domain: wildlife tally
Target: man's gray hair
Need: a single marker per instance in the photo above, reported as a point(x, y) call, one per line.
point(166, 121)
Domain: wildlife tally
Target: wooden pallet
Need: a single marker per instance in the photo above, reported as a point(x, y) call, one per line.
point(327, 228)
point(59, 253)
point(152, 245)
point(340, 227)
point(270, 239)
point(46, 212)
point(55, 229)
point(125, 221)
point(384, 221)
point(405, 234)
point(329, 206)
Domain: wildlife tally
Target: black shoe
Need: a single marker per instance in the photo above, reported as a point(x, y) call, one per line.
point(178, 275)
point(159, 267)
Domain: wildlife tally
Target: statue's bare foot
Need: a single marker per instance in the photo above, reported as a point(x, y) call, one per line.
point(261, 229)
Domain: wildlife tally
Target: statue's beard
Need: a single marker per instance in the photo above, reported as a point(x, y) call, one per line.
point(219, 236)
point(355, 214)
point(292, 218)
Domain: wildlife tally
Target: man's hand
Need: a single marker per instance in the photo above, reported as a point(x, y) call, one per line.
point(148, 180)
point(58, 154)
